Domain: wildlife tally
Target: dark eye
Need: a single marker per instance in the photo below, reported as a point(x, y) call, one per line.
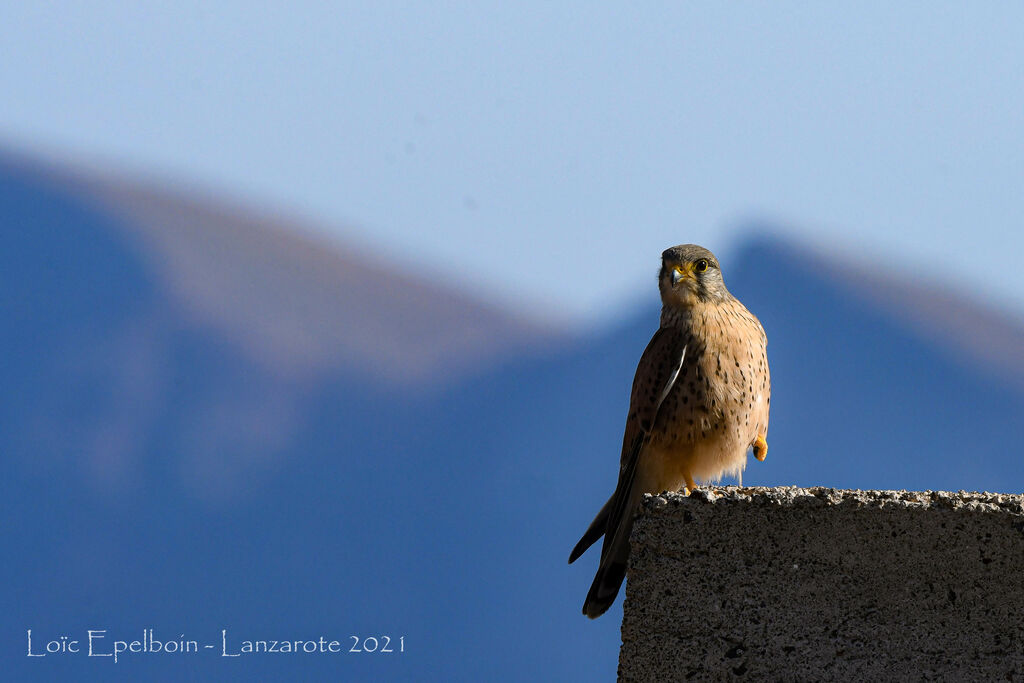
point(702, 265)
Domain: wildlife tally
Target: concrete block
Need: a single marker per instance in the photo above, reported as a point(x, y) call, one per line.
point(793, 584)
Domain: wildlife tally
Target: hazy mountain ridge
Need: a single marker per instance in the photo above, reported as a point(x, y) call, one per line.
point(94, 316)
point(991, 340)
point(292, 301)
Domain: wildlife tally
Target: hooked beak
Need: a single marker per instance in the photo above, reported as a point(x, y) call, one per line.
point(681, 272)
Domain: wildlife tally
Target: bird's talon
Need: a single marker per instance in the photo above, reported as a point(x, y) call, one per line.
point(760, 448)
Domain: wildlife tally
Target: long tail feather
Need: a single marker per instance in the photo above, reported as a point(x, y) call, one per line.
point(610, 575)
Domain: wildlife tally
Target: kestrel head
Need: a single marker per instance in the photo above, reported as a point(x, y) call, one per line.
point(690, 275)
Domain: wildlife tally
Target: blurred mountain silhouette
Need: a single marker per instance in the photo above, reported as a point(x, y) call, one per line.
point(210, 423)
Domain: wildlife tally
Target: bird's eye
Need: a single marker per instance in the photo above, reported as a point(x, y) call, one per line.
point(702, 265)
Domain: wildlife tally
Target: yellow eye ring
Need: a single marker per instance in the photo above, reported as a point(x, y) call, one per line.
point(701, 265)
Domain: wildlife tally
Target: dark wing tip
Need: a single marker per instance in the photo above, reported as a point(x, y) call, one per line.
point(580, 548)
point(592, 609)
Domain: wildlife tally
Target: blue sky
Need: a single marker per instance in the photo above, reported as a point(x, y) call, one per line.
point(550, 151)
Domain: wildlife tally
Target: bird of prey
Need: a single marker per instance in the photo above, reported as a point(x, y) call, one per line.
point(700, 399)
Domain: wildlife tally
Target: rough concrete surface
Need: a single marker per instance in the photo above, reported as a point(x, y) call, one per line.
point(792, 584)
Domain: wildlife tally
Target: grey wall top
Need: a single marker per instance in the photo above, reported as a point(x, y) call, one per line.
point(824, 584)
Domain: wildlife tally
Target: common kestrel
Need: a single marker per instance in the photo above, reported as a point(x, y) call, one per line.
point(700, 399)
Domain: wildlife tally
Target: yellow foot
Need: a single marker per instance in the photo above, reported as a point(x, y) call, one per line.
point(760, 447)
